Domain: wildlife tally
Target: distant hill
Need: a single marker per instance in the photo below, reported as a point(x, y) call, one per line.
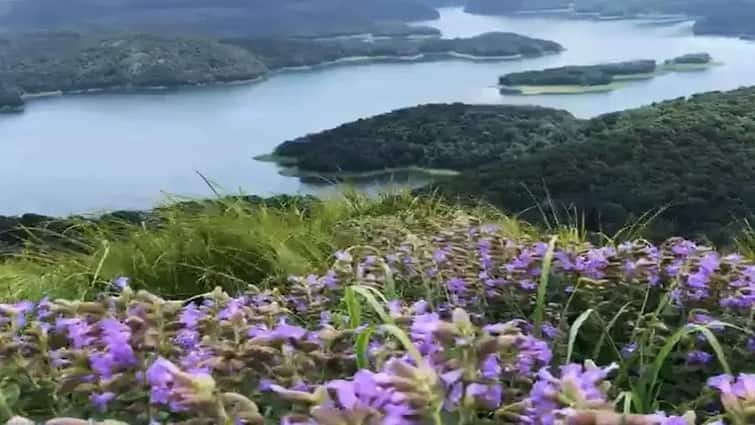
point(722, 17)
point(217, 17)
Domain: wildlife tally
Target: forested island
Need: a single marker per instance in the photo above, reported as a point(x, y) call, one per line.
point(64, 62)
point(689, 62)
point(574, 78)
point(696, 156)
point(577, 79)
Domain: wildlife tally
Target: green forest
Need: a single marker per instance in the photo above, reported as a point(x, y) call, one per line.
point(737, 18)
point(71, 61)
point(588, 75)
point(454, 136)
point(695, 157)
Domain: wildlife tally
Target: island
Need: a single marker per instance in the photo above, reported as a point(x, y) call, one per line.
point(436, 139)
point(61, 62)
point(578, 79)
point(575, 79)
point(689, 62)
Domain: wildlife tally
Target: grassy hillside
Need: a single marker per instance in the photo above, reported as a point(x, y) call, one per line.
point(395, 309)
point(694, 156)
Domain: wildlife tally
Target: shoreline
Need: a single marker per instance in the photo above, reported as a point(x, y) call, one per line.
point(350, 60)
point(288, 168)
point(335, 177)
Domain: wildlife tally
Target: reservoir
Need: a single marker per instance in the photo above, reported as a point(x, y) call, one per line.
point(91, 153)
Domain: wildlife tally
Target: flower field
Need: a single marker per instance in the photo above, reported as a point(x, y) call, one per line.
point(463, 326)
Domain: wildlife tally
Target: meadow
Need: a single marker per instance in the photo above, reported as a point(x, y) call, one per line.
point(396, 310)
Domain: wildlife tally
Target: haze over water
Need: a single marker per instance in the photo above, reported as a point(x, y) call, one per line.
point(77, 154)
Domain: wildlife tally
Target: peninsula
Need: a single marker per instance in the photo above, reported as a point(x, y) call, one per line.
point(438, 139)
point(67, 62)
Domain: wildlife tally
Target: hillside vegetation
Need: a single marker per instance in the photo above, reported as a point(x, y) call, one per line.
point(696, 156)
point(70, 61)
point(730, 18)
point(237, 18)
point(394, 310)
point(454, 136)
point(281, 53)
point(588, 75)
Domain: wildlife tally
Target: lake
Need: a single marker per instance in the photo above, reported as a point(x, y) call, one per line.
point(90, 153)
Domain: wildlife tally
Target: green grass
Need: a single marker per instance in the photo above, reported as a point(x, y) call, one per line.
point(228, 244)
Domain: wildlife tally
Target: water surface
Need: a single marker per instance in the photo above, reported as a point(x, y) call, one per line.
point(90, 153)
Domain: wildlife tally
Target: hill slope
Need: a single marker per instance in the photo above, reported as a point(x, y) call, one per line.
point(217, 17)
point(698, 155)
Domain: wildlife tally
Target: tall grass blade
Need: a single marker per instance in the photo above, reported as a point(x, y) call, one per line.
point(542, 289)
point(574, 331)
point(353, 308)
point(361, 347)
point(369, 295)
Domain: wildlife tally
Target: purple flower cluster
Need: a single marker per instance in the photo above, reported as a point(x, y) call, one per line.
point(456, 339)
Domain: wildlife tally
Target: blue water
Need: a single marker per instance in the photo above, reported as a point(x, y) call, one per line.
point(78, 154)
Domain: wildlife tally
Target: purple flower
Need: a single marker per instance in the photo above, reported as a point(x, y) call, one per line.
point(421, 307)
point(533, 354)
point(394, 308)
point(121, 283)
point(698, 358)
point(116, 337)
point(330, 280)
point(101, 400)
point(190, 316)
point(489, 396)
point(491, 368)
point(78, 331)
point(103, 364)
point(286, 331)
point(233, 309)
point(456, 285)
point(684, 248)
point(439, 256)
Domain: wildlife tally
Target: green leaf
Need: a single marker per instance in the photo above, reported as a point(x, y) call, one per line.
point(353, 308)
point(607, 331)
point(361, 346)
point(371, 295)
point(11, 394)
point(652, 386)
point(406, 342)
point(574, 331)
